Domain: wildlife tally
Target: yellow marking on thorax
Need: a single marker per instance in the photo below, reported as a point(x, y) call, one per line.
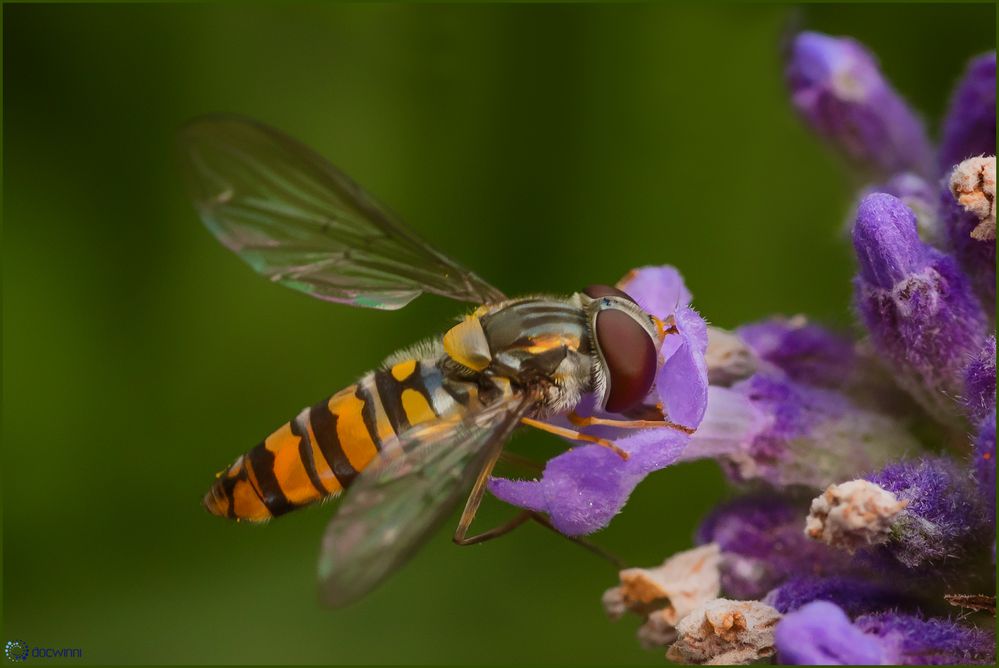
point(355, 440)
point(466, 344)
point(403, 370)
point(541, 344)
point(416, 407)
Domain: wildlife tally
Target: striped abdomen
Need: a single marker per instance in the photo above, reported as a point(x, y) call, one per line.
point(320, 452)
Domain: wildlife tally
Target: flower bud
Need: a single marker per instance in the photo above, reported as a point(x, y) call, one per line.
point(970, 125)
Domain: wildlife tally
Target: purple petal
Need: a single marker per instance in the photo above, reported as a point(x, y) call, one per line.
point(820, 634)
point(658, 290)
point(682, 381)
point(583, 489)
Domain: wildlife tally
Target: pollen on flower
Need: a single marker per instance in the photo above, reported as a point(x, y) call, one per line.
point(724, 632)
point(973, 184)
point(853, 514)
point(666, 594)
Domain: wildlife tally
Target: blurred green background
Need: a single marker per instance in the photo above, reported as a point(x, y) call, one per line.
point(548, 147)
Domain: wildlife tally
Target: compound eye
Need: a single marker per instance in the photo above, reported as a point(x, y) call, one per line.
point(597, 291)
point(631, 358)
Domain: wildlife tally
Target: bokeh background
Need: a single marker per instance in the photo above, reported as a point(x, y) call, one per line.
point(549, 147)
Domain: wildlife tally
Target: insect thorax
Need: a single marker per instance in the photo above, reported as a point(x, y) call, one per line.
point(541, 344)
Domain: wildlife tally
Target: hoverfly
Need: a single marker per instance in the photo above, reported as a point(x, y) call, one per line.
point(412, 438)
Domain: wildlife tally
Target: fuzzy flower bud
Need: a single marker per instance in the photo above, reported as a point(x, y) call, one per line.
point(922, 198)
point(943, 520)
point(970, 126)
point(853, 514)
point(725, 633)
point(837, 87)
point(917, 305)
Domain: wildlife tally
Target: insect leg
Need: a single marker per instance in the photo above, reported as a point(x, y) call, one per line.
point(574, 435)
point(580, 421)
point(475, 496)
point(529, 515)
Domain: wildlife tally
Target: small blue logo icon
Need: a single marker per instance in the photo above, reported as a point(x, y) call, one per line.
point(16, 650)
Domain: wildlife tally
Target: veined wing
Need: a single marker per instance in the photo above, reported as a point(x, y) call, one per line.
point(394, 507)
point(300, 221)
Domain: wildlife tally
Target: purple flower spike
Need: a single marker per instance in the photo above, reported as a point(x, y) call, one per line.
point(909, 640)
point(916, 304)
point(762, 543)
point(985, 466)
point(581, 490)
point(820, 634)
point(943, 519)
point(837, 87)
point(853, 595)
point(970, 127)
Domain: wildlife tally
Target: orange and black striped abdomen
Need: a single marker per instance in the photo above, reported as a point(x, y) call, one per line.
point(320, 452)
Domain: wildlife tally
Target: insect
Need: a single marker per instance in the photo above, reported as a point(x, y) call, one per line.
point(410, 440)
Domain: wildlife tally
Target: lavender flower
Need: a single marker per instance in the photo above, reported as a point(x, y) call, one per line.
point(917, 305)
point(838, 89)
point(820, 633)
point(970, 126)
point(792, 406)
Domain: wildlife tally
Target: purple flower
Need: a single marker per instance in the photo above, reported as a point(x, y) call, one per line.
point(581, 490)
point(762, 543)
point(916, 304)
point(853, 595)
point(820, 633)
point(837, 87)
point(943, 520)
point(985, 467)
point(789, 433)
point(970, 126)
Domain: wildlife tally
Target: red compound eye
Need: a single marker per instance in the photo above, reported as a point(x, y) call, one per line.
point(596, 291)
point(631, 357)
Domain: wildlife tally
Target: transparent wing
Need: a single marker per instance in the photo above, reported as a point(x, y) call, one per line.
point(301, 222)
point(393, 508)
